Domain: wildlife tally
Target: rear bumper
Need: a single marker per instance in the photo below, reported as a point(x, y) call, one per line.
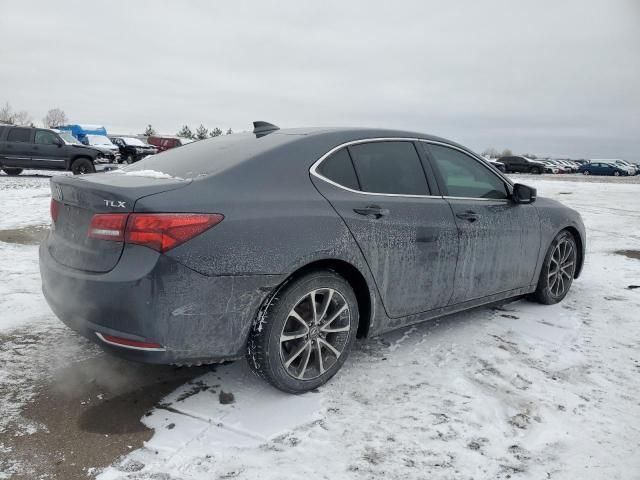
point(150, 297)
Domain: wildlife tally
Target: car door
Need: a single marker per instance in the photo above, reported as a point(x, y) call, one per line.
point(600, 169)
point(17, 148)
point(48, 151)
point(404, 229)
point(499, 240)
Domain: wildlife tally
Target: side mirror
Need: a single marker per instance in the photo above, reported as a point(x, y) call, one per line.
point(59, 142)
point(523, 194)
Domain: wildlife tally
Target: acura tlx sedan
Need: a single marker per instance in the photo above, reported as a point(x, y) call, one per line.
point(285, 245)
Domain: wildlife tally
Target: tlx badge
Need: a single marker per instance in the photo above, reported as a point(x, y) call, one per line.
point(115, 204)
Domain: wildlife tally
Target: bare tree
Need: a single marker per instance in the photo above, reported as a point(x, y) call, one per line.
point(490, 153)
point(506, 153)
point(149, 131)
point(6, 114)
point(22, 118)
point(54, 118)
point(229, 132)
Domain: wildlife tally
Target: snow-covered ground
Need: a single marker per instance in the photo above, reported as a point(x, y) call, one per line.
point(517, 391)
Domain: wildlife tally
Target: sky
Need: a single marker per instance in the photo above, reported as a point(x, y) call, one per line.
point(549, 77)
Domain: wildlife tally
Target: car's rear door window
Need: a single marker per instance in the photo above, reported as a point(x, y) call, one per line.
point(339, 169)
point(463, 176)
point(389, 167)
point(22, 135)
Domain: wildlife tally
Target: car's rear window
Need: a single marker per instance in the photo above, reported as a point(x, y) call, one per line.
point(206, 157)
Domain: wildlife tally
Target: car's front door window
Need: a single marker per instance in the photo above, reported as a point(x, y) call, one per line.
point(46, 138)
point(463, 176)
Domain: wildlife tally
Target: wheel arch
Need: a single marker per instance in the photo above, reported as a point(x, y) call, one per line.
point(580, 244)
point(354, 278)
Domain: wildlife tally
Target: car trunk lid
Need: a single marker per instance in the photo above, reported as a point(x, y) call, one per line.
point(80, 198)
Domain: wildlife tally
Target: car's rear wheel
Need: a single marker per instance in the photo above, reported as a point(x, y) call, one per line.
point(558, 269)
point(616, 174)
point(535, 170)
point(82, 166)
point(586, 172)
point(304, 332)
point(12, 171)
point(129, 159)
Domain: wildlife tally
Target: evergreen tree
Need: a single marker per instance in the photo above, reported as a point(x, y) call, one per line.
point(201, 132)
point(185, 132)
point(229, 132)
point(216, 132)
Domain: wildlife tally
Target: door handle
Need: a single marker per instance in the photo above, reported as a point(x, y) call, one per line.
point(469, 216)
point(372, 211)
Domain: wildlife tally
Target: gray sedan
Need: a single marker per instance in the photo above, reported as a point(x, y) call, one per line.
point(285, 245)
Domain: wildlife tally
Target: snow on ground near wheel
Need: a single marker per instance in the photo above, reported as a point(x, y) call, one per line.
point(518, 391)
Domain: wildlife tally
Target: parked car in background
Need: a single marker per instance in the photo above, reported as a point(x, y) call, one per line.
point(496, 164)
point(603, 168)
point(520, 164)
point(43, 149)
point(102, 142)
point(366, 240)
point(133, 149)
point(562, 168)
point(550, 167)
point(630, 168)
point(633, 169)
point(570, 166)
point(163, 143)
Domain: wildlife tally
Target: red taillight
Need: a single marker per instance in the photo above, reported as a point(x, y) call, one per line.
point(159, 231)
point(164, 231)
point(108, 226)
point(54, 209)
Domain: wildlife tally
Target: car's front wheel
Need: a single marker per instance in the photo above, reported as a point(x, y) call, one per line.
point(586, 172)
point(82, 166)
point(535, 170)
point(12, 171)
point(558, 269)
point(304, 333)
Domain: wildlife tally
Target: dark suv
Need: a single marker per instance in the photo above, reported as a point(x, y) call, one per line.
point(133, 149)
point(519, 164)
point(43, 149)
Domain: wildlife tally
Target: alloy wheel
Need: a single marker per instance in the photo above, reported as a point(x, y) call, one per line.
point(562, 265)
point(315, 333)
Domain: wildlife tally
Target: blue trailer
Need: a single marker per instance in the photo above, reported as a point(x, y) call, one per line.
point(81, 131)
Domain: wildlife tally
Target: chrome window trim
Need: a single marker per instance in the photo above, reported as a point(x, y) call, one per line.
point(313, 170)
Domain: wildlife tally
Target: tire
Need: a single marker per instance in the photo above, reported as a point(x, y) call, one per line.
point(586, 172)
point(294, 365)
point(616, 174)
point(129, 159)
point(12, 172)
point(82, 166)
point(554, 283)
point(535, 170)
